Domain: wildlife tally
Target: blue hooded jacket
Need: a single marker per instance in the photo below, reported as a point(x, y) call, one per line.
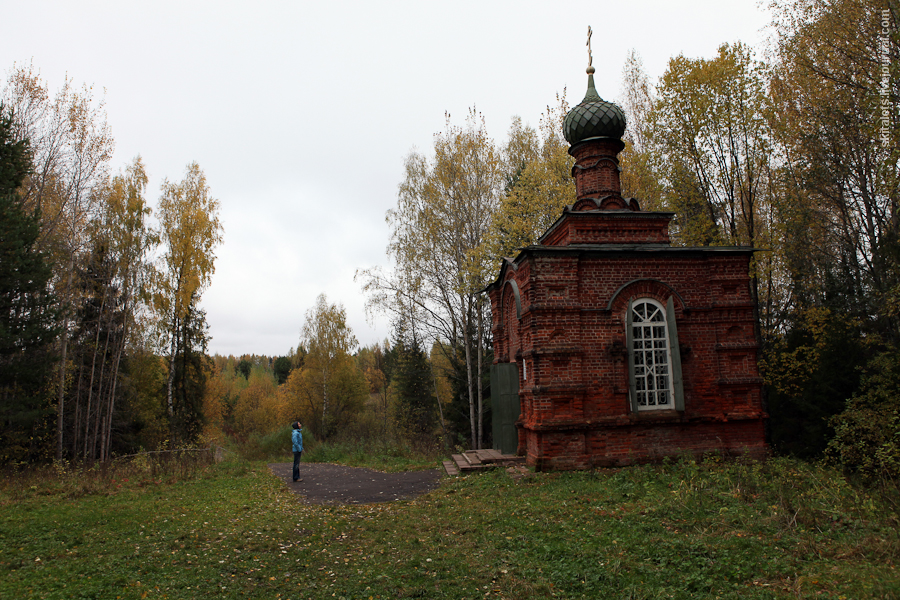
point(297, 440)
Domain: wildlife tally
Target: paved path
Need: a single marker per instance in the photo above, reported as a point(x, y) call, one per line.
point(324, 483)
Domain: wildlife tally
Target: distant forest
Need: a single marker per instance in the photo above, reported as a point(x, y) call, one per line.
point(793, 149)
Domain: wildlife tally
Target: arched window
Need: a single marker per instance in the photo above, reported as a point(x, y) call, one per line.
point(654, 363)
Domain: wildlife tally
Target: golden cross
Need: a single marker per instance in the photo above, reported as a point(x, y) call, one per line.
point(590, 59)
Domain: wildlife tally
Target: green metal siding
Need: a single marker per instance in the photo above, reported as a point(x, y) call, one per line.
point(505, 406)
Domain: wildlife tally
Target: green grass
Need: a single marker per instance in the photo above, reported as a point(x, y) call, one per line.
point(779, 529)
point(390, 457)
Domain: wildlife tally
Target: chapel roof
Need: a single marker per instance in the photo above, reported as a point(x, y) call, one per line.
point(593, 117)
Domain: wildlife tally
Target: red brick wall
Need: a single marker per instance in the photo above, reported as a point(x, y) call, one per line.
point(642, 442)
point(596, 169)
point(619, 227)
point(575, 409)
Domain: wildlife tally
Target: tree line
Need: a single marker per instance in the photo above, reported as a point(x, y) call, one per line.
point(388, 393)
point(102, 338)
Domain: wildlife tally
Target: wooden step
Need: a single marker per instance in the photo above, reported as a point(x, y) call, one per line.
point(472, 457)
point(464, 464)
point(461, 463)
point(488, 455)
point(479, 460)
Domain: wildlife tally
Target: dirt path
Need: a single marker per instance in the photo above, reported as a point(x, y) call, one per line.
point(324, 483)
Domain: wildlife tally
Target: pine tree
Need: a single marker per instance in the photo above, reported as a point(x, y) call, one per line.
point(189, 380)
point(413, 383)
point(27, 316)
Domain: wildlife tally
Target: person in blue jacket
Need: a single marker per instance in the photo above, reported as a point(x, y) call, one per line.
point(297, 443)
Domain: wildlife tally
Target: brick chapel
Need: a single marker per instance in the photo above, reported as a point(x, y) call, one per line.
point(611, 346)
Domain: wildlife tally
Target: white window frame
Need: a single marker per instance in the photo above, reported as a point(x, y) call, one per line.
point(661, 387)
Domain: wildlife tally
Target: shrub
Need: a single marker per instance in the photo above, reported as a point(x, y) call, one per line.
point(275, 445)
point(867, 433)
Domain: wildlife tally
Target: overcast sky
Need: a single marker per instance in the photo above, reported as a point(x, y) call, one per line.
point(301, 113)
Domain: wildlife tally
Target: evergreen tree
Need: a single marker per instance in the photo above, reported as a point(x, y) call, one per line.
point(27, 314)
point(281, 368)
point(15, 157)
point(414, 386)
point(244, 367)
point(189, 381)
point(457, 415)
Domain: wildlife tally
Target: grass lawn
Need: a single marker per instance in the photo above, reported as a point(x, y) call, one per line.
point(780, 529)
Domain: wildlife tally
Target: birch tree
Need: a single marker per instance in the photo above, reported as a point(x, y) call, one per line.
point(639, 164)
point(539, 184)
point(440, 226)
point(711, 115)
point(114, 279)
point(710, 126)
point(190, 230)
point(329, 389)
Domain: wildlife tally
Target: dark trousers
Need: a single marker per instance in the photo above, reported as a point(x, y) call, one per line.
point(297, 465)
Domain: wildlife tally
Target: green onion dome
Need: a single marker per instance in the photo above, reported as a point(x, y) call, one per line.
point(594, 117)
